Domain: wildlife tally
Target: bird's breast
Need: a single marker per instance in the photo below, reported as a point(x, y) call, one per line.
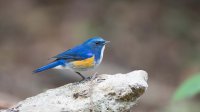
point(84, 64)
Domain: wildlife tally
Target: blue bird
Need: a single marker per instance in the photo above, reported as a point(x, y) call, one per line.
point(85, 56)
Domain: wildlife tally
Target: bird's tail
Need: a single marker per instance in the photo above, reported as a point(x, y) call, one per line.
point(50, 65)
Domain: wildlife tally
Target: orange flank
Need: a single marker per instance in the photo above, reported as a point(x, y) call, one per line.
point(87, 63)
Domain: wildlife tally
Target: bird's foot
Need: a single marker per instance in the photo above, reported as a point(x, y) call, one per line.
point(91, 77)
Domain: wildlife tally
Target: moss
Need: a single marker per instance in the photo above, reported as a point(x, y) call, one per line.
point(82, 94)
point(112, 93)
point(132, 95)
point(128, 97)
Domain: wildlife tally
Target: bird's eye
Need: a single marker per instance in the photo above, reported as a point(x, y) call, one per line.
point(97, 43)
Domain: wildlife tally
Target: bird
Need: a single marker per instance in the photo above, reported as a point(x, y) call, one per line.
point(83, 57)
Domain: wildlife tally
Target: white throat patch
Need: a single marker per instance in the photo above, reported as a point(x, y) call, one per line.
point(101, 55)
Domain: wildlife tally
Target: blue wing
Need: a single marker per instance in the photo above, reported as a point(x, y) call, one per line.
point(77, 53)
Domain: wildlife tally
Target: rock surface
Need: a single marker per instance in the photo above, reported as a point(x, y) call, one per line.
point(105, 93)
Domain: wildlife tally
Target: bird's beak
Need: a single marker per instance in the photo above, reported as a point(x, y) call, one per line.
point(106, 42)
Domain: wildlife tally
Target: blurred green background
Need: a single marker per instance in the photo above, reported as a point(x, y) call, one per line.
point(159, 36)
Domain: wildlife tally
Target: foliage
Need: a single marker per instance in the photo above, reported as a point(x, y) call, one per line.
point(188, 89)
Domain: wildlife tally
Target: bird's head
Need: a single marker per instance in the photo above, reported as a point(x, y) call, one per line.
point(96, 42)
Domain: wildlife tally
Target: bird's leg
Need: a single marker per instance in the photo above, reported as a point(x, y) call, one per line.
point(83, 77)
